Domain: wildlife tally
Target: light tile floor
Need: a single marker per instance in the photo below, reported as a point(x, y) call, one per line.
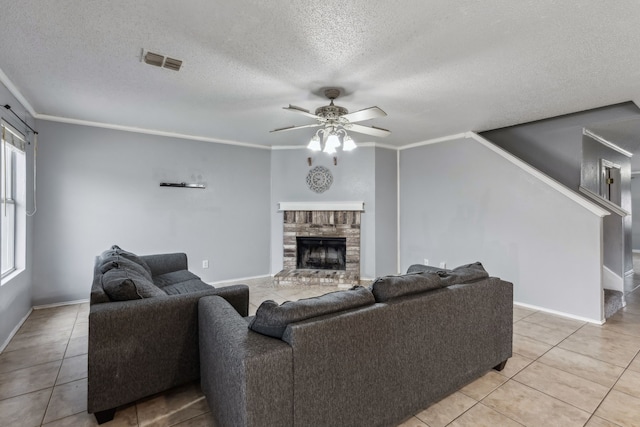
point(563, 373)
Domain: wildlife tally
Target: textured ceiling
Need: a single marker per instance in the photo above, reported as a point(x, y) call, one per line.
point(436, 67)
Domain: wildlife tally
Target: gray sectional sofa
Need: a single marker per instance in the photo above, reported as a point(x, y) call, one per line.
point(362, 357)
point(143, 326)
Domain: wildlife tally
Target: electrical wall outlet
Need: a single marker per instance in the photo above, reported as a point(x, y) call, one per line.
point(443, 264)
point(205, 263)
point(426, 261)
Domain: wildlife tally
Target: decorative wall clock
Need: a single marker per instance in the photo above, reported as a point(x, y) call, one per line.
point(319, 179)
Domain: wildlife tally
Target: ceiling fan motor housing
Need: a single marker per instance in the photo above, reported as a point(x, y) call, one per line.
point(331, 112)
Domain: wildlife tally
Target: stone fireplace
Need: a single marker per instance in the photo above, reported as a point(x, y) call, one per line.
point(321, 244)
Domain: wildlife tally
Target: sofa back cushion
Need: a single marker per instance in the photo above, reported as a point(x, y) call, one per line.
point(272, 319)
point(389, 287)
point(463, 274)
point(421, 268)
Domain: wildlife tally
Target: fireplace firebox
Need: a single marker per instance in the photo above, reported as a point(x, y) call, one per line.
point(323, 253)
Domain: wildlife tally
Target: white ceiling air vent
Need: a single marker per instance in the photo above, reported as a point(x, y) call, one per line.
point(154, 59)
point(158, 60)
point(172, 64)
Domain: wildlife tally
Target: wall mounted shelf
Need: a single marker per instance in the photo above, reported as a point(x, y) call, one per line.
point(182, 185)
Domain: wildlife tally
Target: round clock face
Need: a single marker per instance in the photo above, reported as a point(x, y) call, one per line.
point(319, 179)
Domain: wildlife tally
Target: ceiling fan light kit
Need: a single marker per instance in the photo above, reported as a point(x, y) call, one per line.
point(334, 121)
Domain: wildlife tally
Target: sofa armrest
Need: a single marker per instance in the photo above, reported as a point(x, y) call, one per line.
point(236, 295)
point(166, 263)
point(141, 347)
point(246, 377)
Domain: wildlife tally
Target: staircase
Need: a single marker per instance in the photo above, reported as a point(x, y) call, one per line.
point(613, 301)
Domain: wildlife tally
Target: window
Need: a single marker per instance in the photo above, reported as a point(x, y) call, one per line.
point(13, 183)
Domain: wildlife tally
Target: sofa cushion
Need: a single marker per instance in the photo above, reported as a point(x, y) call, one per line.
point(389, 287)
point(113, 257)
point(110, 262)
point(464, 274)
point(417, 268)
point(187, 287)
point(123, 284)
point(174, 277)
point(272, 319)
point(460, 275)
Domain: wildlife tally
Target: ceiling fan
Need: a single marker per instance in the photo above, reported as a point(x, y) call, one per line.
point(334, 122)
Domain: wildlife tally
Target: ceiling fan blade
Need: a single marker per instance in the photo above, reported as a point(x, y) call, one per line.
point(296, 127)
point(301, 111)
point(366, 114)
point(368, 130)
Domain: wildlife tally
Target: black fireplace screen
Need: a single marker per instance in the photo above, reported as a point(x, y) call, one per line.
point(325, 253)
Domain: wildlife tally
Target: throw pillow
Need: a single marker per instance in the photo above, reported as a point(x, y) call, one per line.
point(272, 319)
point(132, 257)
point(116, 257)
point(115, 261)
point(122, 284)
point(389, 287)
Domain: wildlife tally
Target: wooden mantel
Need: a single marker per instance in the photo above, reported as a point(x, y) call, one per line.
point(321, 206)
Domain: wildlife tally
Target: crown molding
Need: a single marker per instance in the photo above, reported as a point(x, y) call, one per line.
point(16, 93)
point(147, 131)
point(606, 142)
point(435, 141)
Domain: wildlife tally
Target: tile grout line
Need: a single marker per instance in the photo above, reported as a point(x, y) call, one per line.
point(609, 392)
point(479, 402)
point(58, 374)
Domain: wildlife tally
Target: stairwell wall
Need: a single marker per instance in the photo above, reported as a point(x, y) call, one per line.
point(460, 202)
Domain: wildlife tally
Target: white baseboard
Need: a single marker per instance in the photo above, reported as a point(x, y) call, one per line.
point(14, 331)
point(558, 313)
point(223, 282)
point(611, 280)
point(60, 304)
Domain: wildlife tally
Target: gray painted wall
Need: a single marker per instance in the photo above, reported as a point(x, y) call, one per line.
point(15, 296)
point(460, 202)
point(386, 212)
point(99, 187)
point(354, 179)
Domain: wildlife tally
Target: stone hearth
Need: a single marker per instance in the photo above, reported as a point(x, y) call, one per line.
point(344, 224)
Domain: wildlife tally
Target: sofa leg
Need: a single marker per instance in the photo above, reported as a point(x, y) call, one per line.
point(105, 416)
point(500, 366)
